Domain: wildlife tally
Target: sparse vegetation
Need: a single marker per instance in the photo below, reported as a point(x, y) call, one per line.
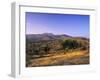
point(56, 51)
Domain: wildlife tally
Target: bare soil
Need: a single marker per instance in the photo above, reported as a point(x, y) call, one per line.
point(68, 58)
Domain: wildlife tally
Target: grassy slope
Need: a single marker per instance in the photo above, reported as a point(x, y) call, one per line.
point(69, 58)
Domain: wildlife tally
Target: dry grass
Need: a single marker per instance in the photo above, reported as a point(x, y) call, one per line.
point(68, 58)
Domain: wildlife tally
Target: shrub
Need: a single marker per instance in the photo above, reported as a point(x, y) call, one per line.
point(70, 44)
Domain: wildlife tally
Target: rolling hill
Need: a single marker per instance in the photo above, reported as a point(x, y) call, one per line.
point(49, 47)
point(49, 36)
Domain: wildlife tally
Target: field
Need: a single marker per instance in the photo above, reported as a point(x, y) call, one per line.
point(53, 50)
point(71, 58)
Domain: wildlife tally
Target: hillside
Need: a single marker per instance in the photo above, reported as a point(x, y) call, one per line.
point(44, 36)
point(43, 49)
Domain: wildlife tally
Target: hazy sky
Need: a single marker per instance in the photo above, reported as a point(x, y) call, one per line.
point(70, 24)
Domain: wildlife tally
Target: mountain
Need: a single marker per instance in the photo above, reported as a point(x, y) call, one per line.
point(45, 36)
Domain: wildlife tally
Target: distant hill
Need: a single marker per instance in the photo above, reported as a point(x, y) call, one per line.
point(45, 36)
point(48, 36)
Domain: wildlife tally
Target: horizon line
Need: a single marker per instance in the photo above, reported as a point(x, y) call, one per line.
point(57, 34)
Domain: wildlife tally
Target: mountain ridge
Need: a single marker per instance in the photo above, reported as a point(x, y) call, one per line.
point(48, 36)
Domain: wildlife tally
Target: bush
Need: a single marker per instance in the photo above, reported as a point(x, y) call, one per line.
point(70, 44)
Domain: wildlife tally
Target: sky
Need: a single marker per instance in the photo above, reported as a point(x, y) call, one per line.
point(70, 24)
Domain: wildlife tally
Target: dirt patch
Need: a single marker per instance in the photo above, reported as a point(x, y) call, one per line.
point(71, 58)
